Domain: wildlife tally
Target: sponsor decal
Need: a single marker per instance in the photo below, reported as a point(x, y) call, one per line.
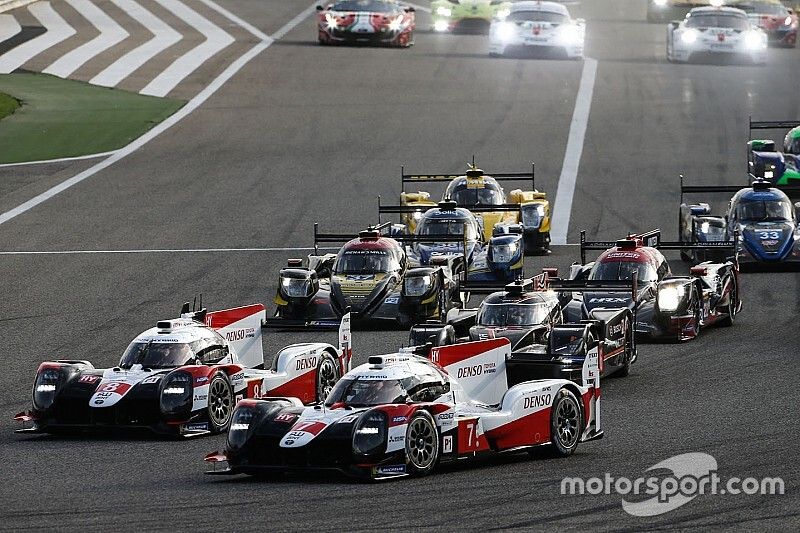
point(201, 379)
point(239, 334)
point(446, 416)
point(470, 371)
point(88, 379)
point(540, 400)
point(447, 444)
point(390, 470)
point(392, 300)
point(398, 419)
point(98, 401)
point(104, 394)
point(151, 379)
point(365, 252)
point(608, 300)
point(306, 363)
point(198, 426)
point(236, 377)
point(200, 397)
point(397, 438)
point(285, 417)
point(624, 255)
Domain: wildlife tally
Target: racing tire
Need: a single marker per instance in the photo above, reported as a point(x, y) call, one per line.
point(728, 320)
point(697, 314)
point(566, 423)
point(422, 444)
point(220, 403)
point(328, 373)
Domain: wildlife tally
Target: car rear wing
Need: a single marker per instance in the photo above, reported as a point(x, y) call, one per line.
point(320, 237)
point(651, 238)
point(772, 124)
point(540, 282)
point(402, 209)
point(446, 178)
point(755, 182)
point(629, 286)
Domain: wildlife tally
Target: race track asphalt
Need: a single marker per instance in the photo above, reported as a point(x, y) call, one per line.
point(307, 134)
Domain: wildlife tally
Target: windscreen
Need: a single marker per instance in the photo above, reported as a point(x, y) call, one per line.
point(357, 392)
point(718, 20)
point(446, 226)
point(538, 16)
point(157, 354)
point(364, 262)
point(464, 196)
point(763, 8)
point(567, 342)
point(764, 211)
point(622, 270)
point(365, 5)
point(512, 314)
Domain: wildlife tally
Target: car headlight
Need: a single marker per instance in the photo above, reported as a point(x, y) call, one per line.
point(669, 298)
point(444, 11)
point(417, 215)
point(240, 426)
point(176, 393)
point(396, 24)
point(417, 285)
point(689, 36)
point(754, 40)
point(45, 388)
point(503, 13)
point(506, 31)
point(660, 3)
point(330, 21)
point(570, 34)
point(296, 287)
point(440, 25)
point(704, 227)
point(369, 436)
point(504, 253)
point(532, 215)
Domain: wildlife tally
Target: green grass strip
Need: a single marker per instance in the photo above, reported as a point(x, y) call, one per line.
point(8, 104)
point(65, 118)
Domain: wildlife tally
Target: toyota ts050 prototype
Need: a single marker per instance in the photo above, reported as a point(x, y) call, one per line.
point(761, 218)
point(528, 313)
point(402, 414)
point(775, 19)
point(711, 34)
point(483, 195)
point(537, 28)
point(766, 163)
point(370, 277)
point(666, 10)
point(499, 259)
point(467, 16)
point(665, 306)
point(182, 377)
point(377, 22)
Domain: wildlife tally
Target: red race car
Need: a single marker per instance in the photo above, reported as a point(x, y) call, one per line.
point(778, 21)
point(376, 22)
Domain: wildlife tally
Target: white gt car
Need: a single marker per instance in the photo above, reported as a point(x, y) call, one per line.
point(713, 33)
point(537, 27)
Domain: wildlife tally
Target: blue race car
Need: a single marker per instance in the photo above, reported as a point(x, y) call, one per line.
point(764, 162)
point(498, 260)
point(761, 218)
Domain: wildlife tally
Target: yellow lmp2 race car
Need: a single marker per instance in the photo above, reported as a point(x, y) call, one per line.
point(483, 195)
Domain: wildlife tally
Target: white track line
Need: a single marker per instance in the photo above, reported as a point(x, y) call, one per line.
point(9, 27)
point(57, 31)
point(167, 250)
point(59, 160)
point(182, 113)
point(163, 37)
point(559, 223)
point(217, 39)
point(111, 34)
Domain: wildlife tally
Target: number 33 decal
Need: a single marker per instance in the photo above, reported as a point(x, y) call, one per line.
point(764, 235)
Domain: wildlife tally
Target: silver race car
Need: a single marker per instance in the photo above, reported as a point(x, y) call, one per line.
point(537, 28)
point(711, 34)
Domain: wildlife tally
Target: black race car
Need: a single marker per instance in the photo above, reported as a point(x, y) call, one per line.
point(780, 168)
point(665, 306)
point(370, 278)
point(528, 313)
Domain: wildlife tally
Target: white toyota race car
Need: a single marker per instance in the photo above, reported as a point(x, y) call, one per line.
point(183, 377)
point(709, 34)
point(537, 28)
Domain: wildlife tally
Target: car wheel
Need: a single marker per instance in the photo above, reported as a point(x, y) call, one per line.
point(728, 320)
point(422, 444)
point(566, 423)
point(696, 329)
point(327, 376)
point(220, 403)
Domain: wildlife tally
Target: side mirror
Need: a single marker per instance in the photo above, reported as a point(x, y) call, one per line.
point(797, 205)
point(320, 8)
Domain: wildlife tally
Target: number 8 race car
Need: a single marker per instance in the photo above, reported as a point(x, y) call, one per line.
point(183, 377)
point(402, 414)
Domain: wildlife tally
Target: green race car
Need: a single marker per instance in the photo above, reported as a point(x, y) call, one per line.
point(467, 16)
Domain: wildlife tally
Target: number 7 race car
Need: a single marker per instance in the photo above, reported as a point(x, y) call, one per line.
point(402, 414)
point(183, 377)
